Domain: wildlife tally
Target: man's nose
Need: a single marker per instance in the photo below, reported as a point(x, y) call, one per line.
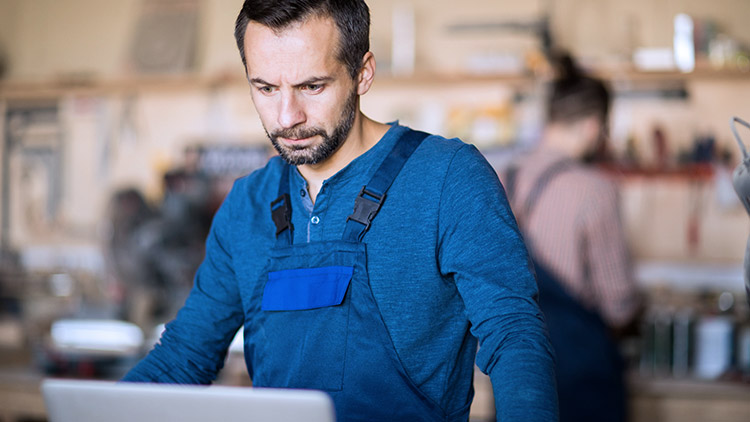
point(291, 113)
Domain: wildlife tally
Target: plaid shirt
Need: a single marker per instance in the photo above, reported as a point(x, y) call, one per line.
point(576, 231)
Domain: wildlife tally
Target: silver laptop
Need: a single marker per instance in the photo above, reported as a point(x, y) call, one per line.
point(108, 401)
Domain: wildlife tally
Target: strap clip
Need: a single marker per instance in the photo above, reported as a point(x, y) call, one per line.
point(282, 214)
point(365, 208)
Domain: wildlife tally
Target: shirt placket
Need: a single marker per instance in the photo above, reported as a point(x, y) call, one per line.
point(314, 213)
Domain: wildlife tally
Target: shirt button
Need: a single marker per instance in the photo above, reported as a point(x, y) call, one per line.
point(315, 219)
point(302, 193)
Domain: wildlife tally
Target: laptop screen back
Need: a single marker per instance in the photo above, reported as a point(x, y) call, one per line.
point(97, 401)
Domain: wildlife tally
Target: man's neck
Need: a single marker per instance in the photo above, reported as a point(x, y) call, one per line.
point(561, 141)
point(365, 133)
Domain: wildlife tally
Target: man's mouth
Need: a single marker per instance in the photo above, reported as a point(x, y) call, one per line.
point(295, 140)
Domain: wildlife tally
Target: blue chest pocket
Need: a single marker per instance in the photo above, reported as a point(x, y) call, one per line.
point(306, 288)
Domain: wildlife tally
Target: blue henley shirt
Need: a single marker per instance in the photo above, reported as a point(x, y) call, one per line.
point(446, 263)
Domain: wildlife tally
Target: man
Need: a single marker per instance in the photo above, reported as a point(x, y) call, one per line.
point(381, 306)
point(569, 214)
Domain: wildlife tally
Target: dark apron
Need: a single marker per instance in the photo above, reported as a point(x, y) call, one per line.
point(588, 364)
point(589, 367)
point(319, 326)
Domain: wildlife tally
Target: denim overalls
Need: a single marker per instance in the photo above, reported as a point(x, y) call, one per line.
point(319, 326)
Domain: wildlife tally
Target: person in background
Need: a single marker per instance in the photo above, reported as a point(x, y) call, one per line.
point(154, 252)
point(568, 212)
point(368, 259)
point(131, 220)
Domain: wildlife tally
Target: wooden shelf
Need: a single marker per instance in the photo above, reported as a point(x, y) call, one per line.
point(87, 85)
point(690, 172)
point(12, 90)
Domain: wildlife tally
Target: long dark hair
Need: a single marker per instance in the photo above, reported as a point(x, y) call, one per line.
point(352, 18)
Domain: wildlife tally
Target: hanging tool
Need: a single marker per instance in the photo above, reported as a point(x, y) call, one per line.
point(741, 181)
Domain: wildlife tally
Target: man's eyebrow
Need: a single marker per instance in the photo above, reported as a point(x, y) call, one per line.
point(259, 81)
point(311, 81)
point(315, 80)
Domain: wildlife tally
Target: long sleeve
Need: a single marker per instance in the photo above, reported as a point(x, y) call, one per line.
point(482, 249)
point(605, 250)
point(193, 346)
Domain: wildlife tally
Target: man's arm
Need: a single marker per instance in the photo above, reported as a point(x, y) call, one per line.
point(193, 346)
point(482, 248)
point(609, 266)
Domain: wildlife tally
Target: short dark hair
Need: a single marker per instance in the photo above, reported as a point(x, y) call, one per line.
point(352, 18)
point(574, 95)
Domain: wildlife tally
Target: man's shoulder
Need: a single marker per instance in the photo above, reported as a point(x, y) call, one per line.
point(440, 151)
point(444, 158)
point(271, 170)
point(455, 150)
point(584, 177)
point(440, 143)
point(594, 180)
point(259, 184)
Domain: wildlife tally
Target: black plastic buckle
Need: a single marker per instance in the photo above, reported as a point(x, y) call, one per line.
point(365, 208)
point(282, 214)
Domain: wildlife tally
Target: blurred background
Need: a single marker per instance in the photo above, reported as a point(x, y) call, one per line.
point(124, 123)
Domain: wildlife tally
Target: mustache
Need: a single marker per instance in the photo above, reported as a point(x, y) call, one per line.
point(298, 133)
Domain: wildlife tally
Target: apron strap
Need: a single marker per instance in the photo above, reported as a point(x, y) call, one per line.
point(281, 210)
point(540, 184)
point(371, 197)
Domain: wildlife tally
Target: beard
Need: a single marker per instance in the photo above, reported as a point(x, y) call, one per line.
point(319, 152)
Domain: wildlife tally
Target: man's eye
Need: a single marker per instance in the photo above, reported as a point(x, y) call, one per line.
point(313, 87)
point(265, 89)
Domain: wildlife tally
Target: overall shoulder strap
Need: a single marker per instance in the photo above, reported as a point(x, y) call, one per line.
point(510, 182)
point(371, 197)
point(541, 184)
point(281, 210)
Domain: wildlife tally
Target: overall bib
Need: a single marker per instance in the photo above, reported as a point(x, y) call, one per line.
point(319, 326)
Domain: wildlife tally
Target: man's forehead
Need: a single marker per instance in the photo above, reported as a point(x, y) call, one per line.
point(309, 45)
point(315, 28)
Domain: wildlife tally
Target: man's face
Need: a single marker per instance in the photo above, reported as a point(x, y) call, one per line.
point(304, 95)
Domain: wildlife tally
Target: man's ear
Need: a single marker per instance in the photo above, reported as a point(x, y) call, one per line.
point(366, 73)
